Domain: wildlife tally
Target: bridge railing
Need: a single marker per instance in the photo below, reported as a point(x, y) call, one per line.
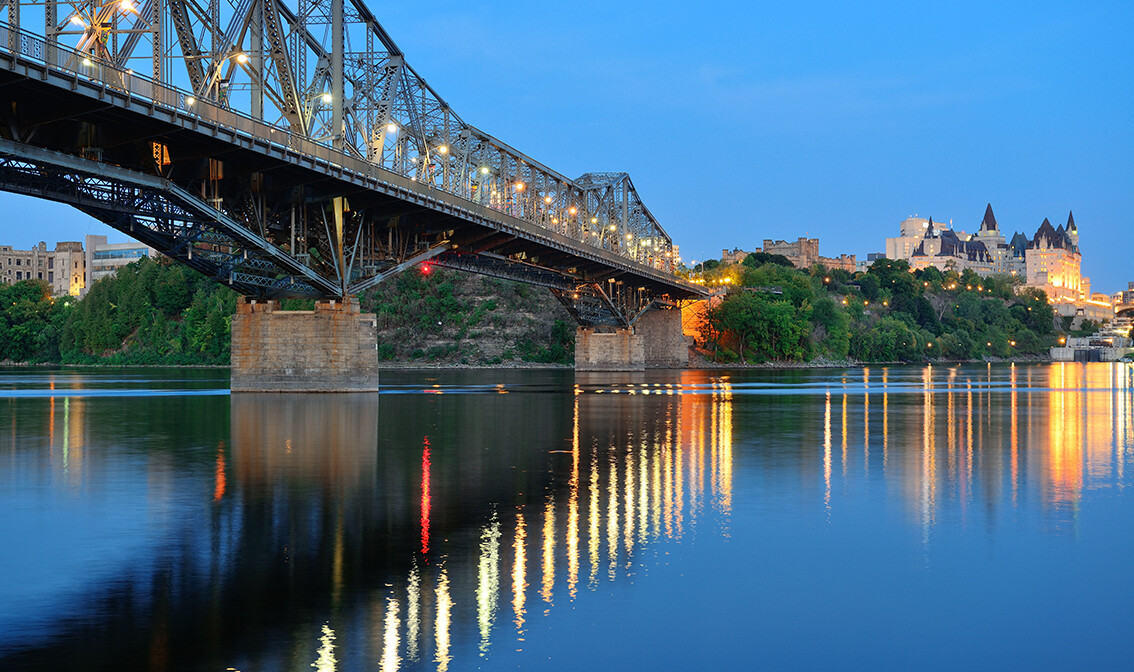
point(603, 213)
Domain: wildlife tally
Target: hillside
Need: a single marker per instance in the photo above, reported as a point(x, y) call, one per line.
point(774, 312)
point(161, 313)
point(156, 312)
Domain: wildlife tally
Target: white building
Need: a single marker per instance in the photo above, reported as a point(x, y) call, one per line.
point(103, 259)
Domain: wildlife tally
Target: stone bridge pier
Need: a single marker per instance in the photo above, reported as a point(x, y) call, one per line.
point(330, 349)
point(655, 341)
point(334, 347)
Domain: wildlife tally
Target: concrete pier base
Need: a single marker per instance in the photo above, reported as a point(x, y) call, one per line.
point(330, 349)
point(663, 339)
point(605, 351)
point(656, 341)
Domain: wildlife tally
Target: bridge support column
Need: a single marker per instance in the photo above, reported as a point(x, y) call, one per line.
point(330, 349)
point(663, 339)
point(655, 342)
point(604, 351)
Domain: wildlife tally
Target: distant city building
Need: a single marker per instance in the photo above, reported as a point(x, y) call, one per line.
point(736, 256)
point(104, 259)
point(1053, 262)
point(912, 231)
point(945, 249)
point(67, 269)
point(1007, 258)
point(1124, 300)
point(804, 253)
point(1050, 260)
point(62, 268)
point(1109, 344)
point(863, 265)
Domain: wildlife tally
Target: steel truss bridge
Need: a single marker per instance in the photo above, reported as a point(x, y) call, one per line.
point(288, 150)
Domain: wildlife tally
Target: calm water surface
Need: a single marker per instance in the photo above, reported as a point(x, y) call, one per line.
point(889, 518)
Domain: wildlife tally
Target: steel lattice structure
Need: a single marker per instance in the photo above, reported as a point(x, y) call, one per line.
point(290, 149)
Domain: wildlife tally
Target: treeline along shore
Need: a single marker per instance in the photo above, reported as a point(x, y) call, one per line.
point(160, 313)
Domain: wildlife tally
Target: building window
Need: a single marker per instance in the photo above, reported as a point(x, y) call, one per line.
point(50, 276)
point(50, 263)
point(19, 275)
point(119, 254)
point(41, 275)
point(17, 262)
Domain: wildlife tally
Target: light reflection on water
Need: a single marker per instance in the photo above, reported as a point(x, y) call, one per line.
point(442, 524)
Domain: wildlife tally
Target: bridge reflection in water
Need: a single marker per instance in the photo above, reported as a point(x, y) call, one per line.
point(472, 555)
point(437, 522)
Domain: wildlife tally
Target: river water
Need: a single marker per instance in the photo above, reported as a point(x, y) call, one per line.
point(886, 518)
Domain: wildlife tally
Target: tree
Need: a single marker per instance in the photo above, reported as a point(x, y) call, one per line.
point(762, 327)
point(831, 322)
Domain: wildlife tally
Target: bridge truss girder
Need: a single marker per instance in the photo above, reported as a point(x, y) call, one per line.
point(294, 152)
point(162, 216)
point(327, 71)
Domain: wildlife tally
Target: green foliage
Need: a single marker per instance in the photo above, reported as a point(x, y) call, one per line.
point(558, 348)
point(762, 327)
point(758, 259)
point(887, 313)
point(888, 340)
point(830, 329)
point(30, 322)
point(449, 316)
point(147, 313)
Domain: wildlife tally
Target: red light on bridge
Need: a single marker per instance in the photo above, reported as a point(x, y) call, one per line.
point(426, 268)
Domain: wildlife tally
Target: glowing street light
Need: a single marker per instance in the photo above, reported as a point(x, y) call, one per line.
point(327, 98)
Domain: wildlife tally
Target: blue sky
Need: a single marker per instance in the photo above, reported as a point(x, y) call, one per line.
point(745, 121)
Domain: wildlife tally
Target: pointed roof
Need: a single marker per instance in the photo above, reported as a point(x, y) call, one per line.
point(1071, 222)
point(929, 233)
point(1047, 232)
point(989, 221)
point(1019, 243)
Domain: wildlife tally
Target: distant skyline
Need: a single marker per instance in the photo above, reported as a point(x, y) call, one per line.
point(745, 121)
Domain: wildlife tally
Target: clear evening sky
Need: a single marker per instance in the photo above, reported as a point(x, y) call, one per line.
point(740, 121)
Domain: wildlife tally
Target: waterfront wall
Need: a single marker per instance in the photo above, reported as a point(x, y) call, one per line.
point(1097, 354)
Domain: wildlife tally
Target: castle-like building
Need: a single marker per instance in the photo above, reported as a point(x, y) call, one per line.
point(1049, 260)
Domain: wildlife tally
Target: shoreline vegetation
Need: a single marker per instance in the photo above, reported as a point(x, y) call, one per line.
point(157, 313)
